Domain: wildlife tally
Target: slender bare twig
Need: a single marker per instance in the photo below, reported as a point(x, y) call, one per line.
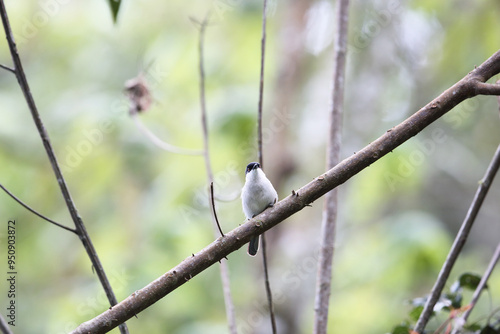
point(7, 68)
point(443, 326)
point(260, 153)
point(27, 207)
point(329, 221)
point(269, 292)
point(160, 143)
point(80, 227)
point(484, 88)
point(224, 270)
point(303, 197)
point(4, 327)
point(481, 285)
point(459, 242)
point(261, 83)
point(486, 275)
point(213, 208)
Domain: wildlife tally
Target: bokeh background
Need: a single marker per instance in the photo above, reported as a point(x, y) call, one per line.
point(146, 209)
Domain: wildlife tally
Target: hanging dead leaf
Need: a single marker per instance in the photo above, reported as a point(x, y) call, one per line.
point(138, 92)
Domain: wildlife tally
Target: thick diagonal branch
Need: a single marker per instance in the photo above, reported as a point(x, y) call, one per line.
point(223, 246)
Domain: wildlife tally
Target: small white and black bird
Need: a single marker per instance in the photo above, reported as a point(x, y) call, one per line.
point(257, 195)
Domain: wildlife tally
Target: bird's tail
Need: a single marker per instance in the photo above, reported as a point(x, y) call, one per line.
point(253, 246)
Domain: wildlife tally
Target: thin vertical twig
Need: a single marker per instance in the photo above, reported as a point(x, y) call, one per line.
point(459, 242)
point(80, 227)
point(269, 292)
point(260, 153)
point(261, 84)
point(224, 270)
point(328, 227)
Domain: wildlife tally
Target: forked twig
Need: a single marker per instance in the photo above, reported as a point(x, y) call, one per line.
point(459, 242)
point(7, 68)
point(79, 226)
point(27, 207)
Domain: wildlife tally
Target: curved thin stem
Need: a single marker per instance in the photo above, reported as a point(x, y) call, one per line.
point(213, 208)
point(160, 143)
point(229, 198)
point(27, 207)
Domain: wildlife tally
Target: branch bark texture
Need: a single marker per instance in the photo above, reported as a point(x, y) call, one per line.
point(319, 186)
point(328, 226)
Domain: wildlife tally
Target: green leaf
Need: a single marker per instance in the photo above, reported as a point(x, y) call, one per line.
point(415, 313)
point(115, 7)
point(473, 327)
point(469, 281)
point(455, 299)
point(401, 329)
point(489, 330)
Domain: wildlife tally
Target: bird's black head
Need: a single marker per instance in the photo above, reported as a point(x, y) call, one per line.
point(252, 165)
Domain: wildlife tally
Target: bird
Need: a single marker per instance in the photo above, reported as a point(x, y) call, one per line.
point(257, 195)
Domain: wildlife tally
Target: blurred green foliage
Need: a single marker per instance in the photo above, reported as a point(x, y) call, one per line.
point(146, 209)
